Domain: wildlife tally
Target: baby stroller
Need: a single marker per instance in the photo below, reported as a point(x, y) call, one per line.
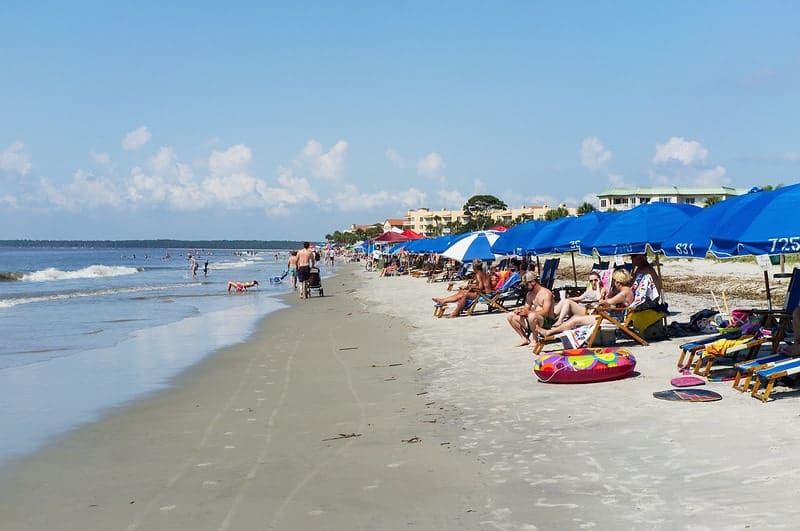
point(314, 282)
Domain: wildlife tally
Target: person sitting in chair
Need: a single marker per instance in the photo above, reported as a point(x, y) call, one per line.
point(241, 286)
point(479, 284)
point(646, 283)
point(536, 312)
point(621, 295)
point(578, 305)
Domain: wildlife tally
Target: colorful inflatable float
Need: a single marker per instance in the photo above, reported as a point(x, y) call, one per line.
point(584, 365)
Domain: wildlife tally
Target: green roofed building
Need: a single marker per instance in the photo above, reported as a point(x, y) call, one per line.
point(627, 198)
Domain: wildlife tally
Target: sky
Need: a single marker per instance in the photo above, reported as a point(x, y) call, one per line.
point(290, 120)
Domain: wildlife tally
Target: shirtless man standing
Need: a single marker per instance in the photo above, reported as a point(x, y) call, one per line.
point(305, 259)
point(537, 310)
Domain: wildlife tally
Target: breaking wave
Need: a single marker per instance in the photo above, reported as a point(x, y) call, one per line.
point(93, 271)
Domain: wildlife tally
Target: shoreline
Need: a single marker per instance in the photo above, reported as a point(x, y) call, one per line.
point(252, 437)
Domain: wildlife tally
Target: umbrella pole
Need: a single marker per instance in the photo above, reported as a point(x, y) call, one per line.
point(574, 271)
point(769, 295)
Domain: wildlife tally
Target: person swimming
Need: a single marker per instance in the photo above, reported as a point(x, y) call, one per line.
point(241, 286)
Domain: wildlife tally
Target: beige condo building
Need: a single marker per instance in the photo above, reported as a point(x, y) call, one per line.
point(425, 221)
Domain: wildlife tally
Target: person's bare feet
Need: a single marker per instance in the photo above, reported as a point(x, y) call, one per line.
point(451, 315)
point(524, 343)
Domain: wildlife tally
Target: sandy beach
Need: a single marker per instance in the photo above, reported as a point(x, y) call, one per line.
point(360, 410)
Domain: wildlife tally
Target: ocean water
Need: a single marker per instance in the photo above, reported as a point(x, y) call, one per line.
point(86, 330)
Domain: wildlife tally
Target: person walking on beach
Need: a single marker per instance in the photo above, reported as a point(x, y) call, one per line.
point(291, 266)
point(205, 268)
point(305, 259)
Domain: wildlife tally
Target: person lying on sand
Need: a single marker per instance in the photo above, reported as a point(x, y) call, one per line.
point(241, 286)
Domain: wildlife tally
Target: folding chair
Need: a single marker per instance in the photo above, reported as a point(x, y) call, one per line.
point(783, 317)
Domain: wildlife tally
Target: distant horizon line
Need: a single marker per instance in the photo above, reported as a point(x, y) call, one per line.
point(156, 243)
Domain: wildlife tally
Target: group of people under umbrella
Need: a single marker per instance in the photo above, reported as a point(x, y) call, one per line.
point(755, 223)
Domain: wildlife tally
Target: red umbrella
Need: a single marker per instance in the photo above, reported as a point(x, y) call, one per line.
point(411, 235)
point(391, 237)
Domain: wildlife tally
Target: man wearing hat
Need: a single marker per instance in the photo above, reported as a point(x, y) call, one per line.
point(537, 310)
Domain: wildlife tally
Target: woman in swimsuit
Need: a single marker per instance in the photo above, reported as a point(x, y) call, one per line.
point(241, 286)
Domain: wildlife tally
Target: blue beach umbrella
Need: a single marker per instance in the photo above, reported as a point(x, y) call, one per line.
point(474, 245)
point(631, 231)
point(399, 247)
point(768, 223)
point(693, 239)
point(565, 234)
point(433, 245)
point(515, 240)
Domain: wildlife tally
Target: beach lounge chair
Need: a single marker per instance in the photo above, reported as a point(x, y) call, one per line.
point(606, 319)
point(782, 318)
point(746, 369)
point(765, 379)
point(494, 300)
point(689, 350)
point(608, 315)
point(745, 347)
point(548, 276)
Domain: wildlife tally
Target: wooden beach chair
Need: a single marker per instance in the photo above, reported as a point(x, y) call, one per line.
point(765, 379)
point(607, 314)
point(689, 350)
point(782, 318)
point(745, 347)
point(494, 300)
point(605, 318)
point(746, 369)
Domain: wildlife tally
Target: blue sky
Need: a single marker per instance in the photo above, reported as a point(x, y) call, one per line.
point(290, 120)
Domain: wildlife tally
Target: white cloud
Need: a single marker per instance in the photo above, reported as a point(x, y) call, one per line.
point(712, 177)
point(164, 160)
point(9, 201)
point(678, 149)
point(617, 181)
point(452, 198)
point(431, 165)
point(15, 160)
point(235, 191)
point(324, 164)
point(594, 155)
point(235, 159)
point(395, 157)
point(101, 159)
point(349, 199)
point(682, 162)
point(84, 191)
point(136, 139)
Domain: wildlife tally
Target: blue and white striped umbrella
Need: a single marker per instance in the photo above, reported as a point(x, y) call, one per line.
point(474, 245)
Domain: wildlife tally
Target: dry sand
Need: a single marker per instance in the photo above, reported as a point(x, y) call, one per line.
point(452, 431)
